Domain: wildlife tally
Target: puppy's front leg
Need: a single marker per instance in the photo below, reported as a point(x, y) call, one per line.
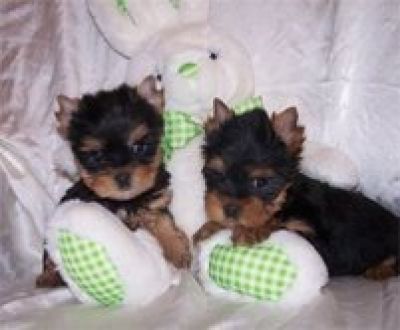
point(173, 241)
point(242, 235)
point(207, 230)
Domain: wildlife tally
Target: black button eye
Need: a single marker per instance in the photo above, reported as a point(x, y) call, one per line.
point(213, 56)
point(159, 77)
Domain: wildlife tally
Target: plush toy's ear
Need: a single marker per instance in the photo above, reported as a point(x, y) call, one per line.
point(221, 114)
point(285, 124)
point(148, 90)
point(67, 106)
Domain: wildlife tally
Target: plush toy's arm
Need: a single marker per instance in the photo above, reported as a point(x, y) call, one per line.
point(283, 270)
point(102, 261)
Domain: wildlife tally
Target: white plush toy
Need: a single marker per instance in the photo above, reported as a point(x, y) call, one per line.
point(284, 270)
point(127, 24)
point(196, 63)
point(102, 261)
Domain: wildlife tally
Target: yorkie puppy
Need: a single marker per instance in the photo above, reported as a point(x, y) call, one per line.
point(254, 187)
point(115, 138)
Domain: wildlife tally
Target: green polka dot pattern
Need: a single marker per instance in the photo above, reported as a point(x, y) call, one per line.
point(263, 272)
point(89, 266)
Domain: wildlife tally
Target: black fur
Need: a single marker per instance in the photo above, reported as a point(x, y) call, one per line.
point(109, 116)
point(243, 141)
point(352, 232)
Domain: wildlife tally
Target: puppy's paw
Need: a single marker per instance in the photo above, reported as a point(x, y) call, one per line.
point(382, 271)
point(178, 251)
point(174, 242)
point(206, 231)
point(249, 236)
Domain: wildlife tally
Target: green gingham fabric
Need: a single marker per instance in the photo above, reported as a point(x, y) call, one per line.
point(89, 266)
point(122, 6)
point(175, 3)
point(262, 271)
point(248, 104)
point(180, 128)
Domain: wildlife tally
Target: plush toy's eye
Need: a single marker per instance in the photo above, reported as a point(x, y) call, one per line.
point(159, 77)
point(213, 56)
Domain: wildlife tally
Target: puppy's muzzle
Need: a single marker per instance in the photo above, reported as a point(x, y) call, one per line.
point(123, 180)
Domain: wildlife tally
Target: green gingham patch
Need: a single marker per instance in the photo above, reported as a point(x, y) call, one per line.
point(179, 129)
point(89, 266)
point(248, 104)
point(122, 6)
point(262, 271)
point(175, 3)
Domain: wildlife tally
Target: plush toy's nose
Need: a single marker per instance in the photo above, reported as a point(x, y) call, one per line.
point(188, 70)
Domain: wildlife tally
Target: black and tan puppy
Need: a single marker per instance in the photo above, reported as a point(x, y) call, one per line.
point(254, 186)
point(115, 138)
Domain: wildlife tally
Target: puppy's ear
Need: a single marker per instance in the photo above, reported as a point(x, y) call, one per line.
point(285, 124)
point(67, 106)
point(221, 113)
point(148, 90)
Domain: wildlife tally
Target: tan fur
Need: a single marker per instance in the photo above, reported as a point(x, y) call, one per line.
point(173, 241)
point(162, 201)
point(216, 164)
point(382, 271)
point(50, 277)
point(104, 185)
point(207, 230)
point(148, 90)
point(299, 226)
point(90, 144)
point(138, 133)
point(255, 172)
point(286, 126)
point(255, 222)
point(67, 106)
point(243, 235)
point(221, 114)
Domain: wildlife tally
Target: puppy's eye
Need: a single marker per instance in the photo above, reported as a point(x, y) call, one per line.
point(139, 149)
point(93, 158)
point(213, 175)
point(260, 182)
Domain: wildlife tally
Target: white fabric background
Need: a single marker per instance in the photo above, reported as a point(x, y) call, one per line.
point(338, 61)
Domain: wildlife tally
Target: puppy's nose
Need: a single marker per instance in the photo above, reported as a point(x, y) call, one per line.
point(231, 210)
point(123, 180)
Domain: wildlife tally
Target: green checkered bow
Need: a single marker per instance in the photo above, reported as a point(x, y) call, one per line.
point(248, 104)
point(264, 272)
point(180, 127)
point(179, 130)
